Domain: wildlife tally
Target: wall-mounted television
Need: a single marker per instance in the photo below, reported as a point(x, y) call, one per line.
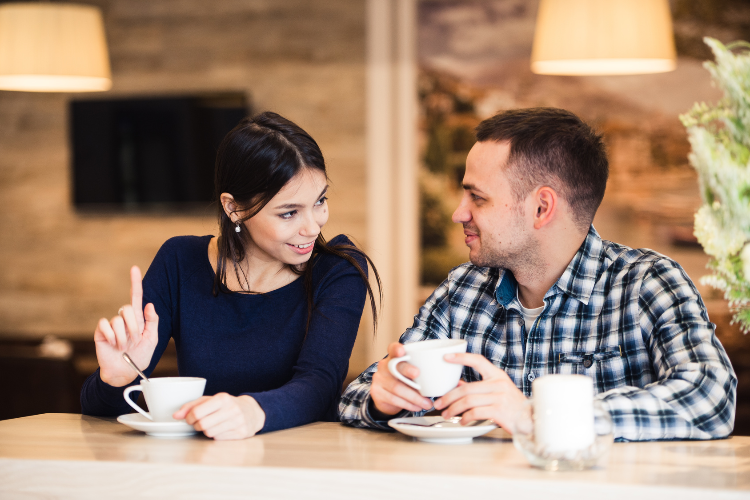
point(149, 154)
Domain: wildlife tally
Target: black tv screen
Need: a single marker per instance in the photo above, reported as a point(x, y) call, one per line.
point(149, 154)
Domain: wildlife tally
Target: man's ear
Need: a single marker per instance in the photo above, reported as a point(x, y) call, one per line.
point(546, 202)
point(229, 205)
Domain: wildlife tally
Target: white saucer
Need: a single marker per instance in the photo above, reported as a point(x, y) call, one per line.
point(445, 433)
point(157, 429)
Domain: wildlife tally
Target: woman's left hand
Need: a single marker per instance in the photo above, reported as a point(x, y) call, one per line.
point(223, 416)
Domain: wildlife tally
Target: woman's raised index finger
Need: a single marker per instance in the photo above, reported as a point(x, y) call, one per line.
point(136, 293)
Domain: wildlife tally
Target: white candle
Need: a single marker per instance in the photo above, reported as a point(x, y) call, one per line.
point(563, 413)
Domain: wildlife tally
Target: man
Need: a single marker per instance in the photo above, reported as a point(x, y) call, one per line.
point(545, 294)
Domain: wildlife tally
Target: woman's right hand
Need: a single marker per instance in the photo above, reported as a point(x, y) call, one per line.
point(134, 330)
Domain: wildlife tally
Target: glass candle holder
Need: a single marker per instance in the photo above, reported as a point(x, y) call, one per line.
point(541, 455)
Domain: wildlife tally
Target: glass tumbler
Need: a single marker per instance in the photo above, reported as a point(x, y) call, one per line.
point(541, 456)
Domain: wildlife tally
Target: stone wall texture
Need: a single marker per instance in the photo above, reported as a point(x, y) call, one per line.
point(61, 270)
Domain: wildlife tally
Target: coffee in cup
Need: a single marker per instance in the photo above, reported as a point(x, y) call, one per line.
point(166, 395)
point(436, 376)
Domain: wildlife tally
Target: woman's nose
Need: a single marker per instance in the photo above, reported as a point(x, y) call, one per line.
point(310, 226)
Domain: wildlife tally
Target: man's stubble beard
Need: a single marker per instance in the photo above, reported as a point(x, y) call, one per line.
point(524, 260)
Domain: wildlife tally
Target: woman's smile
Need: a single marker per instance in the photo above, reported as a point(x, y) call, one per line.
point(302, 249)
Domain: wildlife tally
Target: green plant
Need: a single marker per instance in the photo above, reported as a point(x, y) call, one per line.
point(719, 136)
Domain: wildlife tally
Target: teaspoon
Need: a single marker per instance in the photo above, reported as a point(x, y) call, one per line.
point(132, 364)
point(454, 420)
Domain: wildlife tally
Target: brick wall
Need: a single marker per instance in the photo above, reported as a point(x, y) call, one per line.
point(59, 270)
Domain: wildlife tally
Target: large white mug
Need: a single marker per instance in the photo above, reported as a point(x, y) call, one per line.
point(166, 395)
point(436, 376)
point(563, 412)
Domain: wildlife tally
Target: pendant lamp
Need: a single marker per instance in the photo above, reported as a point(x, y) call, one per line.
point(603, 37)
point(53, 47)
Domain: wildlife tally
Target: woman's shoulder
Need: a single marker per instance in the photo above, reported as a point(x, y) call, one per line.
point(185, 244)
point(328, 261)
point(184, 249)
point(343, 244)
point(341, 239)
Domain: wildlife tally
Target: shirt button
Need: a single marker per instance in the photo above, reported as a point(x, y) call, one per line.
point(520, 322)
point(587, 363)
point(531, 377)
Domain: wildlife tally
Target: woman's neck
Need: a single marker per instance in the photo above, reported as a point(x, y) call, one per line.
point(253, 274)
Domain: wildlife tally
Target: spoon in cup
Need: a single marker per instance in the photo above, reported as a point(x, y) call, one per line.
point(132, 364)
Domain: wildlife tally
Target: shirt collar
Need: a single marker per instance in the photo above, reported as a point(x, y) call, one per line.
point(506, 288)
point(577, 280)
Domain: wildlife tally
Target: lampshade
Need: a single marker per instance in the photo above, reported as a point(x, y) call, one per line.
point(53, 47)
point(603, 37)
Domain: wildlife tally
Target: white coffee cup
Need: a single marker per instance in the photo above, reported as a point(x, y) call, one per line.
point(166, 395)
point(436, 376)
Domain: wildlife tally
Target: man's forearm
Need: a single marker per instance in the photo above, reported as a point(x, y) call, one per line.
point(352, 408)
point(357, 409)
point(674, 409)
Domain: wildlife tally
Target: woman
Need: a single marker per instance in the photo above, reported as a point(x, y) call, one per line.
point(267, 312)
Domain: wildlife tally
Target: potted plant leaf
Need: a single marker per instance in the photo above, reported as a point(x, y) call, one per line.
point(719, 136)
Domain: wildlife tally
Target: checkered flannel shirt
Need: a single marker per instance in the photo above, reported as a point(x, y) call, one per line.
point(630, 319)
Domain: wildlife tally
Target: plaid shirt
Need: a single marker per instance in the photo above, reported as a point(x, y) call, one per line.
point(630, 319)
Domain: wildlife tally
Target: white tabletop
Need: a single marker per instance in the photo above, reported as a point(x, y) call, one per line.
point(73, 456)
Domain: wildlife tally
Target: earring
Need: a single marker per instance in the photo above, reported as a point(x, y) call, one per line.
point(237, 227)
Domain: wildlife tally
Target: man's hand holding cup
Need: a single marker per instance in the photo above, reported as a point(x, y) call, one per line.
point(400, 385)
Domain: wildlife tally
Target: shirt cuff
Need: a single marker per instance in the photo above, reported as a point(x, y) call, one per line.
point(368, 411)
point(111, 397)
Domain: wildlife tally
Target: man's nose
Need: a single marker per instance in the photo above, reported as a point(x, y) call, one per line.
point(461, 215)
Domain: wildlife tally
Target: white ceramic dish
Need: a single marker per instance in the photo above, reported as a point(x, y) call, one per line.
point(443, 433)
point(157, 429)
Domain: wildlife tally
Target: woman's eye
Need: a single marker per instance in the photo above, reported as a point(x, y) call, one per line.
point(288, 215)
point(322, 200)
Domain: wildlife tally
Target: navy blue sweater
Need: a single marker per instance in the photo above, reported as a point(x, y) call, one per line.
point(250, 344)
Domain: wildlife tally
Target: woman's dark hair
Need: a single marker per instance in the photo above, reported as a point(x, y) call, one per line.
point(254, 162)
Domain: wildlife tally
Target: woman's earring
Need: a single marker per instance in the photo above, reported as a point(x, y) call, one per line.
point(237, 227)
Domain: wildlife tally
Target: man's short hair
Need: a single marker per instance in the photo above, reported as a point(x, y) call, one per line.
point(552, 147)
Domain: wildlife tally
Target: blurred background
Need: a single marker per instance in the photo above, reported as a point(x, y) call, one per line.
point(390, 89)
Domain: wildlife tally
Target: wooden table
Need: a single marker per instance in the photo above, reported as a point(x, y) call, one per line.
point(73, 456)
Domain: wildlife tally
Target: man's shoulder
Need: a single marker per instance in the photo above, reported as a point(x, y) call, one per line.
point(467, 269)
point(466, 284)
point(621, 259)
point(469, 276)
